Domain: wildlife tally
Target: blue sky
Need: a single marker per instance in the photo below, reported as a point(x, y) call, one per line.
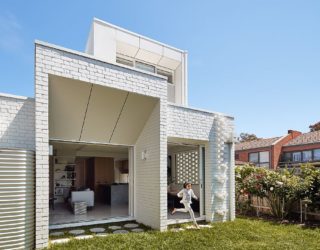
point(257, 60)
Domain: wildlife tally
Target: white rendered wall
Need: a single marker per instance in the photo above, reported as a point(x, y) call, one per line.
point(17, 122)
point(54, 60)
point(104, 43)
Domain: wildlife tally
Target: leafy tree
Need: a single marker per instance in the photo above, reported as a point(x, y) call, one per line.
point(244, 137)
point(315, 127)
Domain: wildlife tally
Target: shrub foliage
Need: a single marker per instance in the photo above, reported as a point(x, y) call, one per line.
point(280, 188)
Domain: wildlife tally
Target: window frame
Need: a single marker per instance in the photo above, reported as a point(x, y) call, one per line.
point(252, 153)
point(289, 159)
point(311, 155)
point(156, 67)
point(236, 156)
point(146, 64)
point(258, 163)
point(296, 152)
point(166, 71)
point(120, 58)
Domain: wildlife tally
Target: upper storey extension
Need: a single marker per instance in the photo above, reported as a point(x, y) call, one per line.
point(116, 45)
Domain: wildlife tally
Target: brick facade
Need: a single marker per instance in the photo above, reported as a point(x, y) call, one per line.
point(215, 132)
point(25, 124)
point(275, 149)
point(17, 122)
point(53, 60)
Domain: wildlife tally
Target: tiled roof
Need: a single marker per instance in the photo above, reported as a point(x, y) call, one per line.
point(260, 143)
point(307, 138)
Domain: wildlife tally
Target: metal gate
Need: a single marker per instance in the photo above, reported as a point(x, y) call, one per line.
point(17, 208)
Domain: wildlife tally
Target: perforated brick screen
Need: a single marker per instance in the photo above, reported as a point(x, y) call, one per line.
point(187, 167)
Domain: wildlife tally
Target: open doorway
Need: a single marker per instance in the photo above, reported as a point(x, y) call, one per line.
point(88, 182)
point(185, 164)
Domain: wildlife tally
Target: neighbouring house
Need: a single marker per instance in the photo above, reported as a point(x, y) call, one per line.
point(263, 152)
point(305, 148)
point(291, 150)
point(109, 137)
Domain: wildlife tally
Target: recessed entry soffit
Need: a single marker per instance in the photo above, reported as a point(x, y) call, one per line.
point(81, 111)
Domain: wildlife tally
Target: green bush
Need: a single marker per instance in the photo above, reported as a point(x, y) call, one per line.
point(280, 188)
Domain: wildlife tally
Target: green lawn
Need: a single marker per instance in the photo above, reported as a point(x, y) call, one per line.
point(240, 234)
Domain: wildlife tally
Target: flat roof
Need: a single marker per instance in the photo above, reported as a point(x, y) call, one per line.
point(137, 35)
point(15, 96)
point(200, 110)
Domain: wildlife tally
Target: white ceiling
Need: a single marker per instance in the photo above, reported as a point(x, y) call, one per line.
point(80, 111)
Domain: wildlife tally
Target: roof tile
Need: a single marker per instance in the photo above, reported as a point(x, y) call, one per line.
point(307, 138)
point(260, 143)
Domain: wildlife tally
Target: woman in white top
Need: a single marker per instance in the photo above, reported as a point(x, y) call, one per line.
point(187, 193)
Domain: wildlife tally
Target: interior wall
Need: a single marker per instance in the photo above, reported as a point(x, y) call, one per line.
point(80, 169)
point(119, 176)
point(117, 165)
point(104, 171)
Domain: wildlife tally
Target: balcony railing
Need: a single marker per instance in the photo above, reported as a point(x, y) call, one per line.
point(290, 164)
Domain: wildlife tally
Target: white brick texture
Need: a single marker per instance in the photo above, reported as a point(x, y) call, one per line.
point(17, 122)
point(52, 60)
point(216, 133)
point(24, 124)
point(149, 174)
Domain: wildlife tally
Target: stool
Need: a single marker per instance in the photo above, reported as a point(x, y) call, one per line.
point(79, 207)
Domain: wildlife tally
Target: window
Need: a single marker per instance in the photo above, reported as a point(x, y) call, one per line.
point(145, 67)
point(296, 156)
point(316, 154)
point(307, 155)
point(237, 156)
point(254, 157)
point(287, 157)
point(124, 61)
point(264, 157)
point(260, 159)
point(165, 73)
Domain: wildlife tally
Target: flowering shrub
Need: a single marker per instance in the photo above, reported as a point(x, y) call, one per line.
point(280, 189)
point(311, 177)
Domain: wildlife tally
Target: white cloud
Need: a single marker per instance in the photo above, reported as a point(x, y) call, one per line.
point(10, 32)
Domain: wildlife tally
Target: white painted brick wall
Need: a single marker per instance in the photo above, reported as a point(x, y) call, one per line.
point(149, 174)
point(189, 123)
point(17, 122)
point(215, 130)
point(53, 60)
point(165, 121)
point(180, 123)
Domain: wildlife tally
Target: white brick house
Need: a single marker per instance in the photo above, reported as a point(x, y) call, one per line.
point(125, 100)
